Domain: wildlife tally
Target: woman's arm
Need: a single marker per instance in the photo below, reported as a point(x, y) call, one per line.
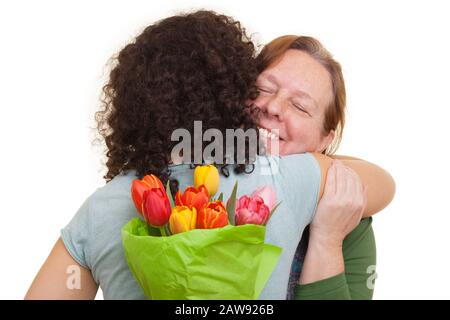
point(61, 277)
point(339, 211)
point(342, 157)
point(380, 184)
point(357, 282)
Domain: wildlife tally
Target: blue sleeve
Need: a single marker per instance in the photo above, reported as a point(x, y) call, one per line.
point(75, 235)
point(303, 177)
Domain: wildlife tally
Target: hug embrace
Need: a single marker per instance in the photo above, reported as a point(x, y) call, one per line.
point(201, 67)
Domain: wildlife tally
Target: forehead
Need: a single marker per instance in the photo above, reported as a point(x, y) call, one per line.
point(298, 72)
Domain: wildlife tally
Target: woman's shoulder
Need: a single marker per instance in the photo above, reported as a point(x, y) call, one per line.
point(96, 226)
point(288, 164)
point(113, 200)
point(119, 186)
point(287, 159)
point(107, 208)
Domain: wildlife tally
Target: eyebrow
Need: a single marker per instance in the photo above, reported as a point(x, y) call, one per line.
point(274, 80)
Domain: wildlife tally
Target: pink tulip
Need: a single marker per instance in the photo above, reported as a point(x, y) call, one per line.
point(251, 210)
point(267, 194)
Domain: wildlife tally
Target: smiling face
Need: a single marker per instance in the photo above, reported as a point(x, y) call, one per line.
point(294, 93)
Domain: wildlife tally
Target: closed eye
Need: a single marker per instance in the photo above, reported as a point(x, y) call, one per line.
point(299, 107)
point(265, 90)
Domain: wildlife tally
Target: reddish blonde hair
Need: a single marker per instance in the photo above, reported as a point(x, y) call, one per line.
point(335, 113)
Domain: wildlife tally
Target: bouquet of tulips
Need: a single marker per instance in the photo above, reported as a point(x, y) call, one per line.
point(196, 247)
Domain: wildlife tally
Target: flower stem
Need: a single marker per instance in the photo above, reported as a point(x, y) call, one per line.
point(163, 231)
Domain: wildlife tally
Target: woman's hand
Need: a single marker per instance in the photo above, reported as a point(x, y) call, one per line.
point(339, 211)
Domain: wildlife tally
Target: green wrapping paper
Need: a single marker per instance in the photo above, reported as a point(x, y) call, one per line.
point(232, 262)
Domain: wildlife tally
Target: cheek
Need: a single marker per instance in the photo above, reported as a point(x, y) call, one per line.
point(303, 132)
point(298, 128)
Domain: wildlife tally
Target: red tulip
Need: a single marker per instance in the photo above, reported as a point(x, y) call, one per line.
point(156, 207)
point(138, 187)
point(213, 215)
point(251, 210)
point(193, 198)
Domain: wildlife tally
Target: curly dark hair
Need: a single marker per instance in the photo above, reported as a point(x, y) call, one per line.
point(197, 66)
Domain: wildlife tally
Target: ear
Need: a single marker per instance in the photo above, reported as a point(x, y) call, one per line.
point(326, 141)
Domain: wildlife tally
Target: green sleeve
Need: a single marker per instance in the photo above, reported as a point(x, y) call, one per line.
point(357, 281)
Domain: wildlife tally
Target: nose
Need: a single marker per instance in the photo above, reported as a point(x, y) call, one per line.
point(275, 107)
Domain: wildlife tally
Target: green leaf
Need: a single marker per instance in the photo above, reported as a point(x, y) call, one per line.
point(169, 194)
point(231, 204)
point(273, 210)
point(220, 198)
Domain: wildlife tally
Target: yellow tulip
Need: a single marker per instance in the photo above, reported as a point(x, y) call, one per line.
point(207, 175)
point(182, 219)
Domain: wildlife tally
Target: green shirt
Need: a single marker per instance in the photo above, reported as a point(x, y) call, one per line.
point(357, 281)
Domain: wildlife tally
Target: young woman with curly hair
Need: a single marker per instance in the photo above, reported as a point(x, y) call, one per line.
point(177, 71)
point(199, 66)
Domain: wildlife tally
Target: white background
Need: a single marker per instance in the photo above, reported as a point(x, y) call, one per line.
point(396, 61)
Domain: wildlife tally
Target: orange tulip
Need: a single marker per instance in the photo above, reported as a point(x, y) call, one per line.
point(193, 197)
point(213, 215)
point(138, 187)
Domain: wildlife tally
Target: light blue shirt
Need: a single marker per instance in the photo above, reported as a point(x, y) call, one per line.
point(93, 236)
